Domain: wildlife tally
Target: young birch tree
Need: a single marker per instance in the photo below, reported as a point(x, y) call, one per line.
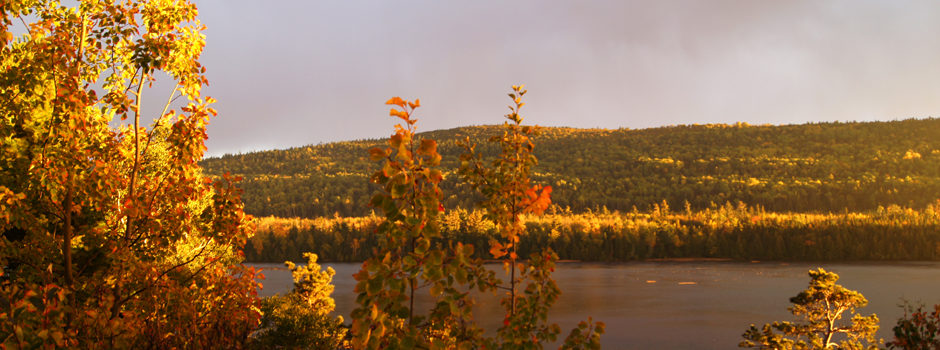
point(413, 257)
point(508, 194)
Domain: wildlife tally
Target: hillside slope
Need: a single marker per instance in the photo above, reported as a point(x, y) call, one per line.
point(811, 167)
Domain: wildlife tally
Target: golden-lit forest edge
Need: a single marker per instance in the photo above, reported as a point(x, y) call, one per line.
point(727, 232)
point(791, 192)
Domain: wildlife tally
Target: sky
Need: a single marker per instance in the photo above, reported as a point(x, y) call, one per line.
point(290, 73)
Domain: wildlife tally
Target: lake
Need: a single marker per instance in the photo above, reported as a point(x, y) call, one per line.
point(684, 305)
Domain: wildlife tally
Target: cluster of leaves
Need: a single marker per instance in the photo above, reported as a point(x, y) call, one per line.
point(586, 336)
point(301, 319)
point(111, 235)
point(855, 166)
point(508, 193)
point(819, 307)
point(918, 329)
point(413, 254)
point(734, 232)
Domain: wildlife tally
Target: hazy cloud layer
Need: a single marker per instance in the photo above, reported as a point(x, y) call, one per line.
point(290, 73)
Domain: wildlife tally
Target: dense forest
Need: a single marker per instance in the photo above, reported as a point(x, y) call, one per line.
point(855, 166)
point(733, 232)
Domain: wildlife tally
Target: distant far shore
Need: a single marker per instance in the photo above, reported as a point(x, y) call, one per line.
point(689, 260)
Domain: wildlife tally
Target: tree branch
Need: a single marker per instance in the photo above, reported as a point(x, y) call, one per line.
point(117, 305)
point(132, 186)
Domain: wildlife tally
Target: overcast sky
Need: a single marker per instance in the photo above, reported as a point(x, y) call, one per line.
point(292, 73)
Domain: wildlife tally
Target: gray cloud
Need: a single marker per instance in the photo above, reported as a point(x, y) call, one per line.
point(290, 73)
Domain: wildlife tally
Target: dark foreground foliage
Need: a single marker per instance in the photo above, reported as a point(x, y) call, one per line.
point(918, 329)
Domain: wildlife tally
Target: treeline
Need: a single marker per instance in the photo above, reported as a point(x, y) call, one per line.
point(729, 231)
point(823, 167)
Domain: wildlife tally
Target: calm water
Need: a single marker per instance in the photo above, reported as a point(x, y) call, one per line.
point(645, 306)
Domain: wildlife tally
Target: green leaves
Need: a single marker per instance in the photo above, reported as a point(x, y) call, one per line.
point(586, 336)
point(508, 193)
point(415, 255)
point(374, 286)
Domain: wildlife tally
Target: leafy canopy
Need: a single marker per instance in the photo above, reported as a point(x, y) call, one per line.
point(112, 236)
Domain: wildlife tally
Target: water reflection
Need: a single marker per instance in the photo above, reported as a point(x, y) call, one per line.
point(672, 313)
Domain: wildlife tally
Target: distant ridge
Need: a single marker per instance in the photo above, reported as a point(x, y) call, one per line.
point(815, 167)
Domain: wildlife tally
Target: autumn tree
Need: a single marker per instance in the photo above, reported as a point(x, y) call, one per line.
point(112, 236)
point(820, 308)
point(301, 319)
point(412, 256)
point(918, 329)
point(508, 193)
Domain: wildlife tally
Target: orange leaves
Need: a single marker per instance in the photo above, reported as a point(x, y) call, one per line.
point(411, 202)
point(407, 107)
point(401, 141)
point(506, 184)
point(428, 147)
point(376, 154)
point(403, 113)
point(156, 217)
point(398, 101)
point(398, 113)
point(538, 199)
point(397, 140)
point(516, 95)
point(435, 176)
point(498, 250)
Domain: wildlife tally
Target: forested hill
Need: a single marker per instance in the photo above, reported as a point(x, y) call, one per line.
point(807, 168)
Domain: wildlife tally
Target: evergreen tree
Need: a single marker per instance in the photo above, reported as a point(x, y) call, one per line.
point(820, 308)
